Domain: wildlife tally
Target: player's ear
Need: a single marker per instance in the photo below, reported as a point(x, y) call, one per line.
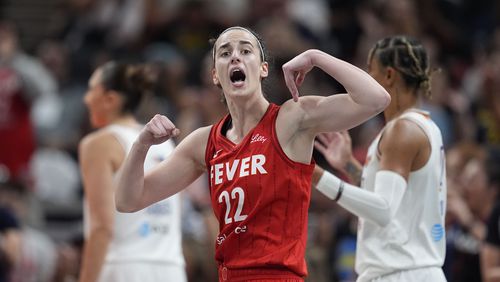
point(215, 79)
point(112, 97)
point(264, 69)
point(390, 75)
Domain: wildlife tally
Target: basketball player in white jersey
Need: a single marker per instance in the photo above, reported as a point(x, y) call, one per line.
point(402, 201)
point(144, 246)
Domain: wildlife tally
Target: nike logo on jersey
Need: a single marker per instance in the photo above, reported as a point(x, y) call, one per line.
point(258, 138)
point(216, 154)
point(221, 172)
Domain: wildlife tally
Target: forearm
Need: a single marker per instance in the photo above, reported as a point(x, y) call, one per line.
point(94, 253)
point(379, 206)
point(353, 170)
point(130, 188)
point(361, 87)
point(476, 228)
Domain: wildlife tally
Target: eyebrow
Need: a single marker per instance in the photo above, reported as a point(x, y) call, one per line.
point(242, 42)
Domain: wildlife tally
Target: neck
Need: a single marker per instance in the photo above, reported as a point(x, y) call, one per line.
point(125, 120)
point(245, 115)
point(401, 101)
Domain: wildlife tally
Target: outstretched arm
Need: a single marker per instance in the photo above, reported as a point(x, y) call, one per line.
point(398, 148)
point(186, 163)
point(378, 206)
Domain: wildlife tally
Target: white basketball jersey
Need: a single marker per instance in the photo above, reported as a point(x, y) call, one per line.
point(415, 237)
point(154, 233)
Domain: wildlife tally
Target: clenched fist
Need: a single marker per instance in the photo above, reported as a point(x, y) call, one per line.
point(158, 130)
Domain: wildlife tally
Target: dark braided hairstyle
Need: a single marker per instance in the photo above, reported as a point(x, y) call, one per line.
point(407, 56)
point(133, 82)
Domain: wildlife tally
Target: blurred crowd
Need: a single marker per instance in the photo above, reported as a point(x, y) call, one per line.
point(44, 71)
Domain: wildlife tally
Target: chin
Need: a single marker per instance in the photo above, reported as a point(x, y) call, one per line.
point(97, 123)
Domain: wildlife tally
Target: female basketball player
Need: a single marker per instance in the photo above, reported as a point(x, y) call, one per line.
point(146, 245)
point(258, 157)
point(402, 203)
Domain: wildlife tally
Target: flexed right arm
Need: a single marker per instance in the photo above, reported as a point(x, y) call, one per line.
point(135, 190)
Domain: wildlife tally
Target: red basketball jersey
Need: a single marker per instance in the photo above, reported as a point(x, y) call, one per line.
point(260, 197)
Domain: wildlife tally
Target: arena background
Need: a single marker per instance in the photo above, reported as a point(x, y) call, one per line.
point(61, 43)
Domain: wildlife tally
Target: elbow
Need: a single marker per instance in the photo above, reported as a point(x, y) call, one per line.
point(103, 231)
point(383, 101)
point(383, 222)
point(124, 207)
point(382, 218)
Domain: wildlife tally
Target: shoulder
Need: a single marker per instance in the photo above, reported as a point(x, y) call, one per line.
point(101, 142)
point(201, 134)
point(196, 140)
point(403, 147)
point(403, 134)
point(193, 147)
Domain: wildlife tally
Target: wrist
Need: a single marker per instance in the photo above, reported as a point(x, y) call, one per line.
point(141, 147)
point(471, 224)
point(313, 55)
point(353, 169)
point(330, 185)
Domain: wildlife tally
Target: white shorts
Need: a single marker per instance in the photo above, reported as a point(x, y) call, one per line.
point(142, 272)
point(434, 274)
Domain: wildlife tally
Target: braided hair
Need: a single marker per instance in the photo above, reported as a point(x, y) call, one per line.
point(409, 57)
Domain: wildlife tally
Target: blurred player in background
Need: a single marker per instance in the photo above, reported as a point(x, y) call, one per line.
point(143, 246)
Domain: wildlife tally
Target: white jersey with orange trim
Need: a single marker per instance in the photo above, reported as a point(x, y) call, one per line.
point(153, 234)
point(415, 237)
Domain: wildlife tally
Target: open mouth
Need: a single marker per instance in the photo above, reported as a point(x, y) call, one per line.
point(237, 75)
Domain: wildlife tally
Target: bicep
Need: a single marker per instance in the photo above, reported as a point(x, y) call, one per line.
point(181, 168)
point(298, 123)
point(332, 113)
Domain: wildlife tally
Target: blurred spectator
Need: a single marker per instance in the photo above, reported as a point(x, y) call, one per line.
point(490, 250)
point(10, 239)
point(488, 111)
point(37, 254)
point(67, 128)
point(470, 201)
point(23, 82)
point(189, 31)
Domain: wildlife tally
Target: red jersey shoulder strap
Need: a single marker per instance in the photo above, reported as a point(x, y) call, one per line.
point(212, 140)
